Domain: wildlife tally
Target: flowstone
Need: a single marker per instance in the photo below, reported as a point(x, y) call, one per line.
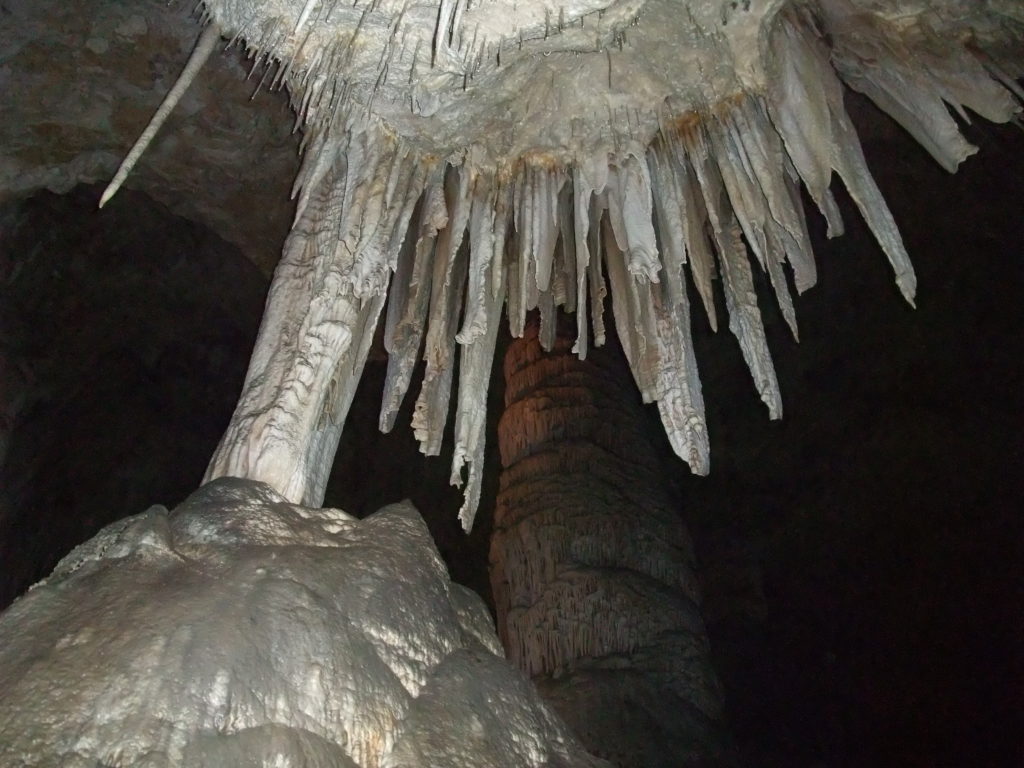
point(241, 630)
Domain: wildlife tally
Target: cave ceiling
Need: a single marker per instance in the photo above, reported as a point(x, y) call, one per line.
point(82, 77)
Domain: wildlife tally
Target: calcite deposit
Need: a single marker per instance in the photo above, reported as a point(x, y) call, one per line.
point(241, 630)
point(472, 159)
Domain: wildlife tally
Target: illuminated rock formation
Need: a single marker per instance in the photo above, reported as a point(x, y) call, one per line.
point(529, 155)
point(241, 630)
point(463, 160)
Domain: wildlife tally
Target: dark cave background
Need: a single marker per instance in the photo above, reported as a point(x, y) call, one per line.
point(862, 560)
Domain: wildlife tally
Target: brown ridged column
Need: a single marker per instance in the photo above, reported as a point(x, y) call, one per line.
point(591, 566)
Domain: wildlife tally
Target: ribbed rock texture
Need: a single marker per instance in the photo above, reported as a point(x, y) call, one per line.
point(592, 567)
point(240, 630)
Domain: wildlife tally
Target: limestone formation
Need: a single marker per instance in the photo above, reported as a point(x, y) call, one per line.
point(241, 630)
point(592, 568)
point(531, 155)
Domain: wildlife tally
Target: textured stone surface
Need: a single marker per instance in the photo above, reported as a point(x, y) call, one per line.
point(81, 79)
point(243, 630)
point(592, 567)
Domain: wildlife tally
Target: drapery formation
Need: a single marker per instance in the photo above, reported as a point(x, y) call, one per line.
point(470, 158)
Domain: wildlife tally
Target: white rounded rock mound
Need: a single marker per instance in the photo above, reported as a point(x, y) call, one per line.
point(241, 630)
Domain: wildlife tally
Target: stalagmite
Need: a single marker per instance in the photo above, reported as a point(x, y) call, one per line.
point(545, 154)
point(239, 630)
point(591, 566)
point(460, 159)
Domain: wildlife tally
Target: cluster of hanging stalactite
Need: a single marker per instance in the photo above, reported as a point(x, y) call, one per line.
point(456, 236)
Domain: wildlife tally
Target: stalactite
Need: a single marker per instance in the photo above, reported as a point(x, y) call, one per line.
point(630, 214)
point(576, 169)
point(204, 47)
point(831, 142)
point(914, 85)
point(410, 298)
point(737, 281)
point(447, 287)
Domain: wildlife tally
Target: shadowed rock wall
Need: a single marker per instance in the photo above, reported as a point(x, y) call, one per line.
point(124, 336)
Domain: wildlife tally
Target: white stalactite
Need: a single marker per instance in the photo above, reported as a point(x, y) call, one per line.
point(480, 156)
point(447, 289)
point(410, 299)
point(204, 47)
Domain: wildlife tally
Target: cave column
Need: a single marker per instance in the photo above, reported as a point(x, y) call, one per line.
point(591, 565)
point(322, 310)
point(287, 424)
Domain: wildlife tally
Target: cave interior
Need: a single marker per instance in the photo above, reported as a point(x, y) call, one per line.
point(861, 560)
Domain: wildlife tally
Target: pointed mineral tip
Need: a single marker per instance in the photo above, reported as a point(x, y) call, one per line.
point(304, 15)
point(207, 42)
